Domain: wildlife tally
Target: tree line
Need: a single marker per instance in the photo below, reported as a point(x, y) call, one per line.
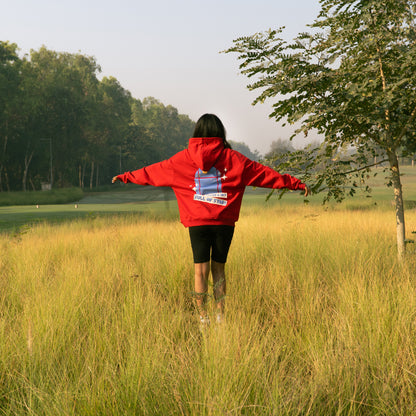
point(351, 79)
point(61, 125)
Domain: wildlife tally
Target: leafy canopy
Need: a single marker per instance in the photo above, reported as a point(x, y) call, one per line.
point(352, 79)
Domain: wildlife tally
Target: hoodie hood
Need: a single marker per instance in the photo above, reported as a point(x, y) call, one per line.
point(205, 151)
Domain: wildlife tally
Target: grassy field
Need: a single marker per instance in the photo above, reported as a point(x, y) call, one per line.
point(97, 315)
point(56, 196)
point(133, 201)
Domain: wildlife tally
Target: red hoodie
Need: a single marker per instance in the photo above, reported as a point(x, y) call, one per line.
point(209, 181)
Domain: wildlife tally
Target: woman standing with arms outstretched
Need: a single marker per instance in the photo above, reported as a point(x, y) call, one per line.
point(209, 179)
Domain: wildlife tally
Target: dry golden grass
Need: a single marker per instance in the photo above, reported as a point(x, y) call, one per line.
point(96, 317)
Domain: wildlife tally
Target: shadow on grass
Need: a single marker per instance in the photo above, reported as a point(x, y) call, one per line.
point(14, 220)
point(127, 201)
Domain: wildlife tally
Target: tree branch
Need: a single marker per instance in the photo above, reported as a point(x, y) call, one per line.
point(411, 119)
point(380, 63)
point(362, 168)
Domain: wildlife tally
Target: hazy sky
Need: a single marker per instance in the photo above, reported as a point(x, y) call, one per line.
point(168, 49)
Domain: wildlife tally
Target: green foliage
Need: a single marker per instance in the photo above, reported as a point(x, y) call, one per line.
point(10, 116)
point(244, 149)
point(156, 132)
point(55, 101)
point(280, 152)
point(333, 173)
point(352, 80)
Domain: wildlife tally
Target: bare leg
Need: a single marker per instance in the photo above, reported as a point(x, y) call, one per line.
point(218, 277)
point(201, 287)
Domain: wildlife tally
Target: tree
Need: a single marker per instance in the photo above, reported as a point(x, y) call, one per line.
point(244, 149)
point(353, 79)
point(168, 130)
point(279, 150)
point(9, 102)
point(53, 102)
point(59, 100)
point(107, 128)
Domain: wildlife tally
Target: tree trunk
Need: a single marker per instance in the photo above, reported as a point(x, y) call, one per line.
point(28, 159)
point(399, 207)
point(80, 176)
point(3, 158)
point(6, 176)
point(92, 174)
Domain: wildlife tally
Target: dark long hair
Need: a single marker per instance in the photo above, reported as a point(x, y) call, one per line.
point(209, 125)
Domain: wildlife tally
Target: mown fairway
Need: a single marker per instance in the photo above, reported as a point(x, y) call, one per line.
point(97, 318)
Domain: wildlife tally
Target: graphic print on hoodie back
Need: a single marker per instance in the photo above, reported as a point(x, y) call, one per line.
point(209, 180)
point(208, 187)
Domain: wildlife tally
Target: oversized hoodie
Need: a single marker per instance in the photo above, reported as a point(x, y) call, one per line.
point(209, 181)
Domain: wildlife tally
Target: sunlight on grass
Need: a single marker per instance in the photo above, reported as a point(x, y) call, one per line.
point(97, 317)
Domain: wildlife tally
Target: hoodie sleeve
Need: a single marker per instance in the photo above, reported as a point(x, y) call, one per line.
point(256, 174)
point(158, 174)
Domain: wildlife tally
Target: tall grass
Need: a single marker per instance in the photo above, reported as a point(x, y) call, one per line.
point(97, 318)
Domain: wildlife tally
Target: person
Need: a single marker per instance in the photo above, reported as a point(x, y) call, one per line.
point(209, 179)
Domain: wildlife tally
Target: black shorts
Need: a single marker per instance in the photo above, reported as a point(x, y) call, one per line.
point(211, 241)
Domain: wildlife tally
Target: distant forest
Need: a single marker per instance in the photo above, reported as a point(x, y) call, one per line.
point(61, 125)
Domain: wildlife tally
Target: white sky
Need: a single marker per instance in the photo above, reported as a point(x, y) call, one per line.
point(167, 49)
